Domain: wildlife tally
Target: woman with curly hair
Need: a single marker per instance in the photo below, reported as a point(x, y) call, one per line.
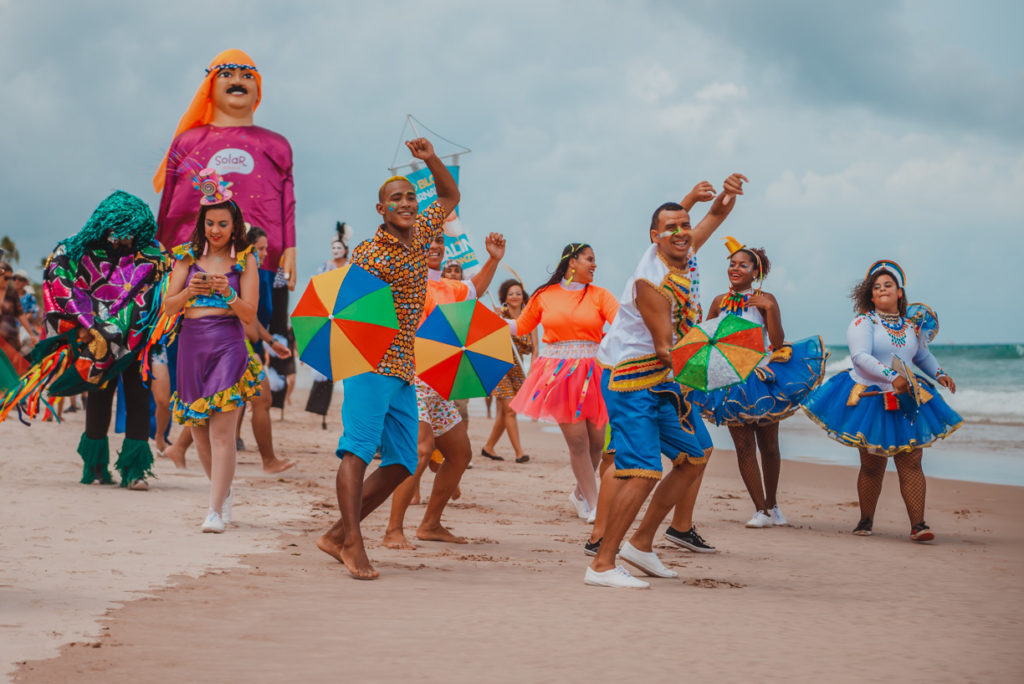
point(513, 298)
point(861, 407)
point(215, 281)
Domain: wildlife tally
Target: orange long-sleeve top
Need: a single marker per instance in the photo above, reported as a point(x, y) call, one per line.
point(569, 314)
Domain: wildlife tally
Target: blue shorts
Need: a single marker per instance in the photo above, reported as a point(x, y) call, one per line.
point(379, 412)
point(650, 422)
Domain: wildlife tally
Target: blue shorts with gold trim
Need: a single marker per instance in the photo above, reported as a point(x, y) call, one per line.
point(650, 422)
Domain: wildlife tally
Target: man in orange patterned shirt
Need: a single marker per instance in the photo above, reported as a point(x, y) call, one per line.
point(379, 411)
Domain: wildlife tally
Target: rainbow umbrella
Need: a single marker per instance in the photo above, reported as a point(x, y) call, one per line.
point(718, 353)
point(344, 322)
point(463, 350)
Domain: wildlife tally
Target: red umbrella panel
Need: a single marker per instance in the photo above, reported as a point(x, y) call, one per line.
point(463, 350)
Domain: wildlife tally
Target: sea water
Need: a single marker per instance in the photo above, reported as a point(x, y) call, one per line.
point(988, 447)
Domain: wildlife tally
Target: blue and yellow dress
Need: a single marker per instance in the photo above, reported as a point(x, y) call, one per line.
point(777, 386)
point(858, 408)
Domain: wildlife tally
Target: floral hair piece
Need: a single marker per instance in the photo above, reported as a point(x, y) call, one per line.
point(212, 186)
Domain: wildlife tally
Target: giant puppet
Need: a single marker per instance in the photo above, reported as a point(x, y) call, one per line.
point(217, 132)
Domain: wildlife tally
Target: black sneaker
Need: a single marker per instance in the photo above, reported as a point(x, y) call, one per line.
point(590, 548)
point(863, 528)
point(689, 540)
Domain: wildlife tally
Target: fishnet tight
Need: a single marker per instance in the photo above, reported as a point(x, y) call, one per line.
point(748, 439)
point(912, 483)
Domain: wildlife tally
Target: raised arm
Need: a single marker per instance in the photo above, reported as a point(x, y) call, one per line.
point(495, 246)
point(447, 190)
point(720, 209)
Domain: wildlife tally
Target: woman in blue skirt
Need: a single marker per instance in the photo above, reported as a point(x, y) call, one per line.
point(860, 407)
point(754, 408)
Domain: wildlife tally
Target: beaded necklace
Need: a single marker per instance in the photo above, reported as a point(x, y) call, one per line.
point(735, 302)
point(895, 327)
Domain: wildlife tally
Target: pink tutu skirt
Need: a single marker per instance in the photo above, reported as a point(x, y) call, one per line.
point(564, 385)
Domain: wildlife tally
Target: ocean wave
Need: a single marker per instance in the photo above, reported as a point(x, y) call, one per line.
point(979, 352)
point(1007, 405)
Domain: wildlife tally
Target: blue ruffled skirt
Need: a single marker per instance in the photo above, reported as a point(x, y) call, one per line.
point(868, 425)
point(770, 393)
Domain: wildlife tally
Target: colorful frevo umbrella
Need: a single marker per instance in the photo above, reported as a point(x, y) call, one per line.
point(463, 350)
point(718, 353)
point(344, 322)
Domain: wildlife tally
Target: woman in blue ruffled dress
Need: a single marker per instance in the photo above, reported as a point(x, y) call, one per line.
point(861, 407)
point(753, 409)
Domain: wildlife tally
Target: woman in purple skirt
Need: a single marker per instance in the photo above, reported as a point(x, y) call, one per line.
point(215, 281)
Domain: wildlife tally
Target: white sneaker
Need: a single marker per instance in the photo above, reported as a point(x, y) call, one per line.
point(592, 516)
point(778, 519)
point(617, 577)
point(225, 508)
point(582, 508)
point(760, 519)
point(213, 523)
point(645, 561)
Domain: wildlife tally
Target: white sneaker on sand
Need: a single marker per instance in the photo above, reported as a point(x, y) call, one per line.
point(778, 519)
point(213, 523)
point(225, 508)
point(760, 519)
point(645, 561)
point(617, 577)
point(592, 516)
point(582, 508)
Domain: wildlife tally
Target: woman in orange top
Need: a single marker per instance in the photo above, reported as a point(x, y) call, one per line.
point(563, 384)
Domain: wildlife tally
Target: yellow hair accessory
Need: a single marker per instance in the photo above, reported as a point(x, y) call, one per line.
point(732, 245)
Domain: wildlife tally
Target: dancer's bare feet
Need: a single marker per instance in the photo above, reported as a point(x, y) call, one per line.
point(439, 533)
point(396, 539)
point(457, 494)
point(277, 466)
point(176, 455)
point(329, 546)
point(355, 559)
point(415, 500)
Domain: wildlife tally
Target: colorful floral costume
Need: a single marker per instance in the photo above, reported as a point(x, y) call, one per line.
point(101, 300)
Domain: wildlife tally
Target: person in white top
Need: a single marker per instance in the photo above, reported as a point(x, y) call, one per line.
point(648, 411)
point(862, 407)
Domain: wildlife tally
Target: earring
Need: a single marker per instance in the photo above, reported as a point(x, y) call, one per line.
point(206, 248)
point(232, 251)
point(571, 276)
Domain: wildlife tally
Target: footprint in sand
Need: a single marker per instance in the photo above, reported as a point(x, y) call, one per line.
point(711, 583)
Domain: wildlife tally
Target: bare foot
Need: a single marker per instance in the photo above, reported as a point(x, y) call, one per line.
point(175, 454)
point(355, 559)
point(457, 494)
point(330, 547)
point(277, 466)
point(395, 539)
point(415, 500)
point(439, 533)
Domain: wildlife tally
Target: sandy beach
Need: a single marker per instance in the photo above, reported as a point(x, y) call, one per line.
point(102, 584)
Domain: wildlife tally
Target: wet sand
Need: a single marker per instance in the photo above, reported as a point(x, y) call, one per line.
point(101, 584)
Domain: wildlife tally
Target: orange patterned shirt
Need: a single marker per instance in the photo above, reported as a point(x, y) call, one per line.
point(404, 267)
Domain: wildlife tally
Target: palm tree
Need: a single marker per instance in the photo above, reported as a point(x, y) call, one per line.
point(7, 245)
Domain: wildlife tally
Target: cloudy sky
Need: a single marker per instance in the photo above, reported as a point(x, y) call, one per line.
point(868, 130)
